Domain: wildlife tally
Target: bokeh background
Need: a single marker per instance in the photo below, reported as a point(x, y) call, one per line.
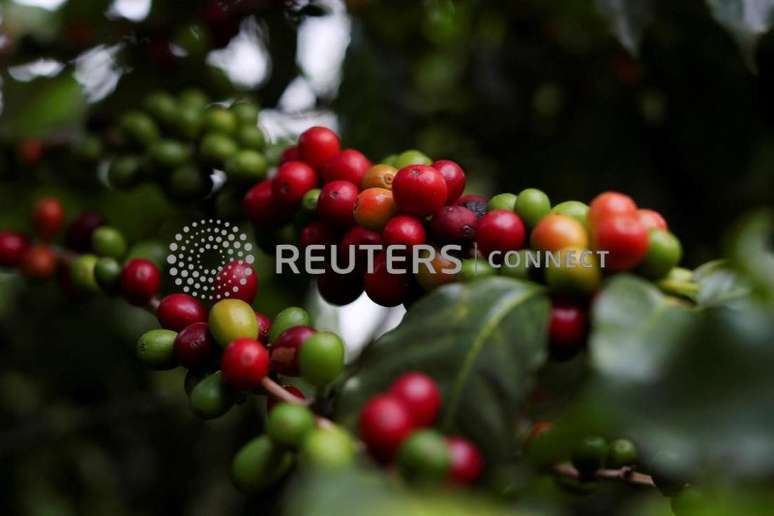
point(523, 94)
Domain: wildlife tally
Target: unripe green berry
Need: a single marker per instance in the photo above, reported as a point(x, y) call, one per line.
point(503, 201)
point(211, 398)
point(139, 128)
point(589, 454)
point(188, 182)
point(328, 448)
point(108, 241)
point(169, 153)
point(321, 359)
point(217, 148)
point(107, 273)
point(575, 209)
point(424, 457)
point(152, 250)
point(231, 319)
point(664, 253)
point(88, 149)
point(532, 205)
point(259, 464)
point(193, 98)
point(622, 453)
point(246, 112)
point(155, 348)
point(188, 123)
point(251, 137)
point(162, 106)
point(288, 318)
point(288, 424)
point(125, 172)
point(309, 200)
point(412, 157)
point(220, 120)
point(82, 273)
point(247, 164)
point(516, 268)
point(475, 268)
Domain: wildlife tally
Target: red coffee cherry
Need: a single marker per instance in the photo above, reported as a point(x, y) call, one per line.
point(348, 165)
point(454, 225)
point(237, 280)
point(177, 311)
point(264, 326)
point(285, 348)
point(385, 288)
point(245, 363)
point(30, 151)
point(355, 238)
point(78, 234)
point(260, 206)
point(337, 202)
point(454, 176)
point(340, 289)
point(466, 461)
point(39, 262)
point(292, 181)
point(384, 424)
point(624, 237)
point(194, 345)
point(419, 190)
point(404, 230)
point(48, 217)
point(609, 204)
point(500, 230)
point(290, 154)
point(651, 219)
point(272, 401)
point(478, 204)
point(421, 396)
point(13, 245)
point(567, 329)
point(317, 145)
point(140, 281)
point(317, 233)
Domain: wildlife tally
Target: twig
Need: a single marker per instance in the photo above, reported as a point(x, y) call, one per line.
point(625, 474)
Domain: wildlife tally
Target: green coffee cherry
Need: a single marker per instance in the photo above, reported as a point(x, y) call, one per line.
point(162, 106)
point(193, 98)
point(211, 398)
point(589, 454)
point(289, 424)
point(89, 148)
point(107, 273)
point(622, 453)
point(217, 148)
point(139, 128)
point(328, 448)
point(194, 39)
point(503, 201)
point(288, 318)
point(155, 348)
point(321, 359)
point(169, 153)
point(532, 205)
point(108, 241)
point(192, 379)
point(259, 464)
point(220, 120)
point(231, 319)
point(188, 182)
point(251, 137)
point(248, 165)
point(390, 160)
point(575, 209)
point(572, 278)
point(309, 201)
point(152, 250)
point(125, 172)
point(188, 123)
point(82, 273)
point(664, 253)
point(424, 457)
point(475, 268)
point(412, 157)
point(246, 112)
point(516, 268)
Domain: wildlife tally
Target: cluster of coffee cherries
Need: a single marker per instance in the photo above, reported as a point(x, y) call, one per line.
point(396, 429)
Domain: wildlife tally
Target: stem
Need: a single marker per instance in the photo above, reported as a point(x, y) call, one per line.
point(278, 391)
point(625, 474)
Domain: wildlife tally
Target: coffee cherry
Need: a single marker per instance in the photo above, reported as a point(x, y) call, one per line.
point(478, 204)
point(328, 448)
point(245, 362)
point(290, 154)
point(289, 424)
point(378, 176)
point(39, 262)
point(317, 233)
point(664, 253)
point(107, 241)
point(248, 165)
point(264, 326)
point(517, 266)
point(589, 455)
point(430, 279)
point(503, 201)
point(532, 205)
point(288, 318)
point(107, 273)
point(622, 453)
point(250, 137)
point(259, 464)
point(609, 204)
point(321, 358)
point(454, 176)
point(79, 232)
point(454, 225)
point(30, 151)
point(272, 402)
point(285, 349)
point(188, 123)
point(374, 207)
point(309, 200)
point(140, 281)
point(13, 246)
point(411, 157)
point(404, 230)
point(555, 232)
point(82, 273)
point(155, 348)
point(317, 145)
point(348, 165)
point(260, 206)
point(211, 397)
point(237, 280)
point(193, 97)
point(139, 129)
point(385, 288)
point(424, 457)
point(47, 217)
point(567, 328)
point(162, 106)
point(420, 394)
point(575, 209)
point(572, 275)
point(169, 153)
point(245, 111)
point(651, 219)
point(466, 461)
point(194, 346)
point(500, 230)
point(125, 171)
point(177, 311)
point(216, 149)
point(419, 190)
point(384, 424)
point(475, 269)
point(220, 120)
point(152, 250)
point(292, 181)
point(624, 237)
point(337, 203)
point(351, 244)
point(340, 289)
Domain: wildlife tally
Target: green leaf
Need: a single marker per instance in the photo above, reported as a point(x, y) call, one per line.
point(747, 20)
point(628, 20)
point(481, 341)
point(751, 251)
point(719, 284)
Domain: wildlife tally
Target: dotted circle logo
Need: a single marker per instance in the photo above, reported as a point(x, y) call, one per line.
point(201, 251)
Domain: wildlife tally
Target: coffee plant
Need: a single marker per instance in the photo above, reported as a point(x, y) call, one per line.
point(535, 352)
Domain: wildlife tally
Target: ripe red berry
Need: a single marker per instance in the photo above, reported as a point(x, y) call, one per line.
point(385, 423)
point(176, 311)
point(466, 461)
point(624, 237)
point(421, 396)
point(317, 145)
point(30, 151)
point(194, 345)
point(292, 181)
point(264, 326)
point(245, 363)
point(39, 262)
point(290, 154)
point(500, 230)
point(651, 219)
point(454, 177)
point(237, 280)
point(317, 233)
point(348, 165)
point(478, 204)
point(385, 288)
point(48, 217)
point(337, 202)
point(609, 204)
point(140, 281)
point(285, 349)
point(419, 190)
point(404, 230)
point(567, 328)
point(357, 237)
point(12, 248)
point(454, 225)
point(272, 401)
point(340, 289)
point(260, 206)
point(78, 234)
